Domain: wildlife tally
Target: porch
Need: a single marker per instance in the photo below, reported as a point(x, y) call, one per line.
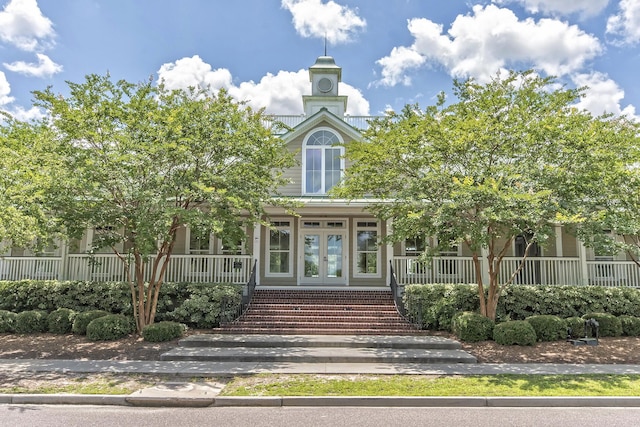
point(407, 269)
point(536, 271)
point(108, 267)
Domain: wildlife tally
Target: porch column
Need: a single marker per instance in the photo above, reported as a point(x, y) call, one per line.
point(558, 231)
point(89, 242)
point(389, 225)
point(64, 257)
point(584, 270)
point(257, 230)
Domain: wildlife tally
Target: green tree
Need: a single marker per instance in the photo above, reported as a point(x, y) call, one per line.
point(143, 161)
point(510, 158)
point(24, 219)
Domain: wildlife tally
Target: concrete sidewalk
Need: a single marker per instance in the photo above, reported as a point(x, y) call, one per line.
point(191, 394)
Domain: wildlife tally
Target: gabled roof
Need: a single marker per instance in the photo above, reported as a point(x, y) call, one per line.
point(315, 120)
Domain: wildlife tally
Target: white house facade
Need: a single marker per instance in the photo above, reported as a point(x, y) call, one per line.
point(331, 243)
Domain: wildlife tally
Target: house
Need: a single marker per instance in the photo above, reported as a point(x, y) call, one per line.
point(332, 243)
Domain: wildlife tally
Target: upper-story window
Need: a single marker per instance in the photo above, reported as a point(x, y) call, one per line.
point(322, 161)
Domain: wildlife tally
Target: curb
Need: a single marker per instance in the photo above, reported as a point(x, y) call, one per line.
point(321, 401)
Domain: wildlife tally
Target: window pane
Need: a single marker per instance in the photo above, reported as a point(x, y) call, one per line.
point(314, 171)
point(367, 263)
point(279, 262)
point(367, 240)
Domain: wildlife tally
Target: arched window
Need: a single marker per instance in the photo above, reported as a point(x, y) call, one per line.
point(323, 164)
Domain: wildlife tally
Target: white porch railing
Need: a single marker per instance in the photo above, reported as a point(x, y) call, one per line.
point(108, 267)
point(613, 273)
point(536, 271)
point(438, 270)
point(542, 271)
point(38, 268)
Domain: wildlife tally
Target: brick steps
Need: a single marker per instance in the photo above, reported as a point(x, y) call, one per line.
point(336, 312)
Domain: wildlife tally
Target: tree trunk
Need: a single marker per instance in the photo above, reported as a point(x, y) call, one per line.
point(478, 269)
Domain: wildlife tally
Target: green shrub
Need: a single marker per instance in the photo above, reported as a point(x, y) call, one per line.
point(514, 332)
point(576, 324)
point(31, 321)
point(609, 325)
point(7, 321)
point(472, 327)
point(206, 306)
point(434, 306)
point(110, 327)
point(163, 331)
point(630, 326)
point(60, 321)
point(548, 327)
point(83, 319)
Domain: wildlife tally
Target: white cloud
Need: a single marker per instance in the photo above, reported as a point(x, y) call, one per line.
point(313, 18)
point(395, 66)
point(562, 7)
point(33, 113)
point(23, 25)
point(603, 95)
point(626, 24)
point(279, 93)
point(491, 38)
point(44, 68)
point(5, 90)
point(193, 72)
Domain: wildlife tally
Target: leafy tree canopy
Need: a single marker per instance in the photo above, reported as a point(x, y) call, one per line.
point(512, 157)
point(142, 161)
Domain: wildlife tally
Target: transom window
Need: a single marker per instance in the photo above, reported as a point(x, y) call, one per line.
point(323, 164)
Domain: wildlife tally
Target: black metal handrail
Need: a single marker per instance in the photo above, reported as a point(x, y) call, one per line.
point(247, 295)
point(399, 303)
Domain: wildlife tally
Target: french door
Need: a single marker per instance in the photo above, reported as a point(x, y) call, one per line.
point(323, 254)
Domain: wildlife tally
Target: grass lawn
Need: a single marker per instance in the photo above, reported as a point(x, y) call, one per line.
point(411, 385)
point(343, 385)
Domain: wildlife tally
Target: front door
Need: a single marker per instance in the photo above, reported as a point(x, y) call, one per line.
point(323, 253)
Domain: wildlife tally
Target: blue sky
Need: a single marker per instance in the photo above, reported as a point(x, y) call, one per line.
point(392, 52)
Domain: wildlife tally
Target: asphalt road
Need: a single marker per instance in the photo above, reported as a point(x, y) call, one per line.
point(82, 416)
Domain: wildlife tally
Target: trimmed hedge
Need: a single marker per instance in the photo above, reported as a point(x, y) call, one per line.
point(83, 319)
point(31, 322)
point(630, 326)
point(163, 331)
point(60, 321)
point(548, 327)
point(434, 304)
point(514, 332)
point(110, 327)
point(7, 321)
point(472, 327)
point(609, 325)
point(199, 305)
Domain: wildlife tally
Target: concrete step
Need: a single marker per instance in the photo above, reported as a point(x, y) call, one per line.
point(317, 355)
point(425, 342)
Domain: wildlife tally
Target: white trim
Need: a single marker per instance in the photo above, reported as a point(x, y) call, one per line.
point(323, 149)
point(267, 247)
point(378, 231)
